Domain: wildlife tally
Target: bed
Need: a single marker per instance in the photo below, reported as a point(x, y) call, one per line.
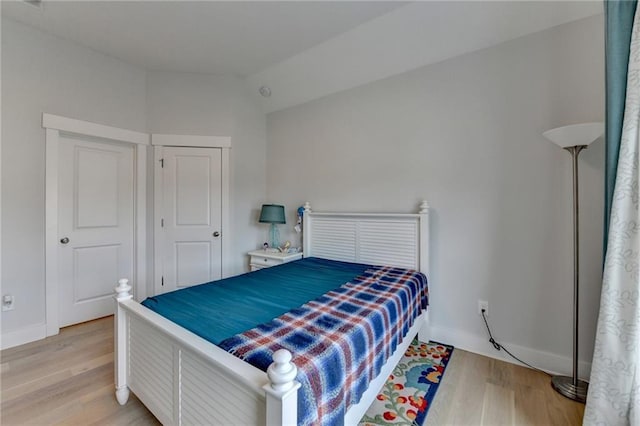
point(184, 379)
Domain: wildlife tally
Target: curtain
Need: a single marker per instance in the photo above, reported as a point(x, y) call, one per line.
point(618, 25)
point(614, 388)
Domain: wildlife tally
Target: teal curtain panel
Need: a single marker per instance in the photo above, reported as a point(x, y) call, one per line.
point(618, 25)
point(614, 386)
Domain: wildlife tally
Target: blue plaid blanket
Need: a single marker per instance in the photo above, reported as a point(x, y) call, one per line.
point(339, 341)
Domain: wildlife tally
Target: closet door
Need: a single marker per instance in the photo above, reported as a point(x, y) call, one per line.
point(190, 215)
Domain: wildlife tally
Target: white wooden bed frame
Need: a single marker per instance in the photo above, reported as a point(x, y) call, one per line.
point(183, 379)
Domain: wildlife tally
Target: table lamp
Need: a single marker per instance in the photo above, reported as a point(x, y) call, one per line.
point(273, 214)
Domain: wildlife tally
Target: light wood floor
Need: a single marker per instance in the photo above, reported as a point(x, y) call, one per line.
point(68, 379)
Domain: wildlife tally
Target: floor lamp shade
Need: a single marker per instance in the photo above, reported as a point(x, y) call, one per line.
point(575, 135)
point(574, 139)
point(273, 214)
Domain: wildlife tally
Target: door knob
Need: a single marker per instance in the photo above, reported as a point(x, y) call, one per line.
point(216, 234)
point(65, 240)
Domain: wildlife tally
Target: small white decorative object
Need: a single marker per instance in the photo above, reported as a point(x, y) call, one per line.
point(298, 227)
point(285, 247)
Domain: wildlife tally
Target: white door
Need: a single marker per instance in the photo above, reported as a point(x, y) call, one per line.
point(95, 225)
point(190, 213)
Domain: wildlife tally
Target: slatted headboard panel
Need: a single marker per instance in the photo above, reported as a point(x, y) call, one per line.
point(396, 239)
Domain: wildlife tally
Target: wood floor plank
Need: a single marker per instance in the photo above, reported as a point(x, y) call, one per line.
point(64, 392)
point(67, 335)
point(68, 380)
point(65, 353)
point(469, 396)
point(498, 406)
point(530, 406)
point(441, 407)
point(27, 387)
point(53, 416)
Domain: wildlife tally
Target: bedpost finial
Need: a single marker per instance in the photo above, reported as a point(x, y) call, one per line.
point(282, 372)
point(123, 289)
point(424, 207)
point(307, 206)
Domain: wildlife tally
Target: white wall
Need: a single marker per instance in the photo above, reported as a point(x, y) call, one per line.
point(42, 73)
point(466, 134)
point(200, 104)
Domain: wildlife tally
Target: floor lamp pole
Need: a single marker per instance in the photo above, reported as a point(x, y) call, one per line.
point(572, 387)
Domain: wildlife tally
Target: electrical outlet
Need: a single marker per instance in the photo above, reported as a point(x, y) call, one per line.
point(7, 302)
point(483, 304)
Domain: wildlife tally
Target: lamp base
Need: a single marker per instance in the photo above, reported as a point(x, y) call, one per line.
point(274, 236)
point(564, 386)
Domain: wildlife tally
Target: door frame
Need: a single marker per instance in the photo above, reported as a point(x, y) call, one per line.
point(54, 126)
point(158, 141)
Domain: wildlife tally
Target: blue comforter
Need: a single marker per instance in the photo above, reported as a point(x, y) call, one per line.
point(218, 310)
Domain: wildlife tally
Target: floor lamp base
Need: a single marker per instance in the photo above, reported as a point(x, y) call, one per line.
point(564, 386)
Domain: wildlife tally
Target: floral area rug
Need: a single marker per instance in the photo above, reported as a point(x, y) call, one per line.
point(407, 395)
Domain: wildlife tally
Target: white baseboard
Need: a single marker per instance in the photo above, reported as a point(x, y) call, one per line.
point(547, 361)
point(22, 336)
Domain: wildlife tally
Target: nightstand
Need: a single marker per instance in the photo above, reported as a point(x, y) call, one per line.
point(263, 259)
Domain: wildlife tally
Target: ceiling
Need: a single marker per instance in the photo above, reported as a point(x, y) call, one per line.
point(302, 50)
point(214, 37)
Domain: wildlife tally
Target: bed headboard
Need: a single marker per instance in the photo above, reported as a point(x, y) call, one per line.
point(394, 239)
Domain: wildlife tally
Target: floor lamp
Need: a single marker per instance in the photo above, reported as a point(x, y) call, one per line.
point(574, 139)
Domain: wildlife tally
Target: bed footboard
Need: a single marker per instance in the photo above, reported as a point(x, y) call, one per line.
point(183, 379)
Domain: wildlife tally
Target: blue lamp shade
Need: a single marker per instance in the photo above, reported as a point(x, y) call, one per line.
point(272, 213)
